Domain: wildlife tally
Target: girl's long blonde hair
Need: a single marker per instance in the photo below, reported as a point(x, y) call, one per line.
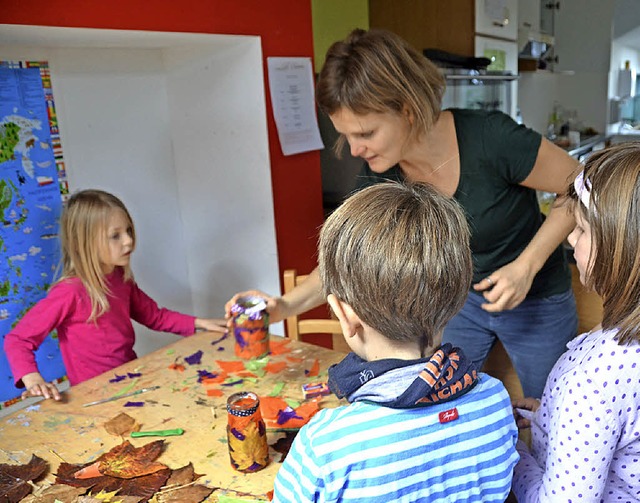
point(83, 235)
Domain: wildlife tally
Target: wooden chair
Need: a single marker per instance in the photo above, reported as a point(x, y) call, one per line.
point(297, 327)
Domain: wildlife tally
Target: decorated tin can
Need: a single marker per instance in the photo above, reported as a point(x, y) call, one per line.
point(250, 327)
point(246, 433)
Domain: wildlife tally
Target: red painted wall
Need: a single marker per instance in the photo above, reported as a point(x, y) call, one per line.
point(285, 29)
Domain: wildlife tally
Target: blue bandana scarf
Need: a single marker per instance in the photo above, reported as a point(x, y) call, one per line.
point(447, 374)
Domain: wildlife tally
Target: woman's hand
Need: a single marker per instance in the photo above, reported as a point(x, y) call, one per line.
point(212, 324)
point(506, 287)
point(526, 404)
point(275, 305)
point(37, 386)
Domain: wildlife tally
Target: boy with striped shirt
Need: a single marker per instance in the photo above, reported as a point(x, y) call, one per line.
point(422, 424)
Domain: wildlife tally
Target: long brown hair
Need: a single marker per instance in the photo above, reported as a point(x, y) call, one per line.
point(83, 234)
point(376, 71)
point(613, 215)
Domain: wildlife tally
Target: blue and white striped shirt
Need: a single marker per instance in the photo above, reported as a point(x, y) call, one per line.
point(370, 453)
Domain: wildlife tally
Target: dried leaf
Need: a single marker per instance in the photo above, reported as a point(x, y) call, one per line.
point(58, 492)
point(190, 494)
point(144, 487)
point(126, 461)
point(182, 476)
point(14, 479)
point(121, 425)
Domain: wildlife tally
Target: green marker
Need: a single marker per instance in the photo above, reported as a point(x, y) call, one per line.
point(157, 433)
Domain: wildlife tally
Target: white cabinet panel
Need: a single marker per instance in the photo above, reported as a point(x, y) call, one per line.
point(497, 18)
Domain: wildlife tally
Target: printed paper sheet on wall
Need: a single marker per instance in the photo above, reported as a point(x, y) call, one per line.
point(33, 187)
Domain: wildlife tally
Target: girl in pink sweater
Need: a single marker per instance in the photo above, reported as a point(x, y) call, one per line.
point(93, 303)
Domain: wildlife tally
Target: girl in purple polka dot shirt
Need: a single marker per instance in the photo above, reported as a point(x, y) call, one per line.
point(586, 428)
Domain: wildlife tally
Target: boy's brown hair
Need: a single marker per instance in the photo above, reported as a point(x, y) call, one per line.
point(614, 218)
point(399, 255)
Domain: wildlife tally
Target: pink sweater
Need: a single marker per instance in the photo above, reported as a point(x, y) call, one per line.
point(89, 348)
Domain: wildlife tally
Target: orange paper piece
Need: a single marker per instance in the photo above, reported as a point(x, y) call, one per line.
point(230, 366)
point(315, 369)
point(270, 407)
point(221, 377)
point(214, 392)
point(294, 359)
point(275, 367)
point(177, 366)
point(279, 347)
point(246, 374)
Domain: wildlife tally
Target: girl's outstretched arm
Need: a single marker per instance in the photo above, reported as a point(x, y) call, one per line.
point(37, 386)
point(212, 324)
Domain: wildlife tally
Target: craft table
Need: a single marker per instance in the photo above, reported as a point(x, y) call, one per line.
point(66, 430)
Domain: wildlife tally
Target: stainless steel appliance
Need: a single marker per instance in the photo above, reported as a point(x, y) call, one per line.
point(479, 89)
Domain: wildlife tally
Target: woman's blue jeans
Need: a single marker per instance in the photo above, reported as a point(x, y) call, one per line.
point(534, 334)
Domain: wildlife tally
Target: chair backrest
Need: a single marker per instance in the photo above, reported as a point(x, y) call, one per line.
point(297, 327)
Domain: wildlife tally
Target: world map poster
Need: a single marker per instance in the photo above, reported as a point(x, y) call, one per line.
point(33, 187)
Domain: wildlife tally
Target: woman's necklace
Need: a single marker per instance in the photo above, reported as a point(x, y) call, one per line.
point(444, 163)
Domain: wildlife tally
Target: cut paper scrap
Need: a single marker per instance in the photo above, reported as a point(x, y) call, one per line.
point(257, 365)
point(277, 389)
point(217, 341)
point(134, 404)
point(231, 366)
point(195, 358)
point(205, 374)
point(275, 367)
point(118, 378)
point(233, 382)
point(314, 370)
point(247, 374)
point(279, 347)
point(277, 414)
point(217, 378)
point(294, 359)
point(177, 366)
point(214, 392)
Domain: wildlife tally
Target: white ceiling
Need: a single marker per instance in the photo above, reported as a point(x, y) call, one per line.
point(630, 39)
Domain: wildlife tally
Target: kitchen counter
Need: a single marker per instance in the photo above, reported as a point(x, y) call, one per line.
point(588, 145)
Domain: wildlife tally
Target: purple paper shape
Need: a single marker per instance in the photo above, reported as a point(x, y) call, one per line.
point(134, 404)
point(220, 339)
point(118, 378)
point(233, 383)
point(194, 359)
point(286, 414)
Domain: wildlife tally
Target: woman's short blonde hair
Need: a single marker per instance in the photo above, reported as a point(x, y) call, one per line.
point(83, 235)
point(399, 256)
point(614, 218)
point(376, 71)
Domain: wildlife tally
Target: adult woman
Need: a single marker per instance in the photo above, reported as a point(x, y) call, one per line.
point(384, 98)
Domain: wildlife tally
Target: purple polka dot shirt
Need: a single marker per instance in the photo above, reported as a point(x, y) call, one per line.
point(585, 437)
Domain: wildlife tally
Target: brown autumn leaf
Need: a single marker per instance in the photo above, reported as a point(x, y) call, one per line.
point(144, 487)
point(126, 461)
point(58, 492)
point(122, 425)
point(182, 476)
point(14, 479)
point(99, 498)
point(189, 494)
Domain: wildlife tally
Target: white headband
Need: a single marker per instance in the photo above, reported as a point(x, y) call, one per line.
point(582, 186)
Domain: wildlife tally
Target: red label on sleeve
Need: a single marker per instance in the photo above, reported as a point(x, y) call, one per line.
point(448, 415)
